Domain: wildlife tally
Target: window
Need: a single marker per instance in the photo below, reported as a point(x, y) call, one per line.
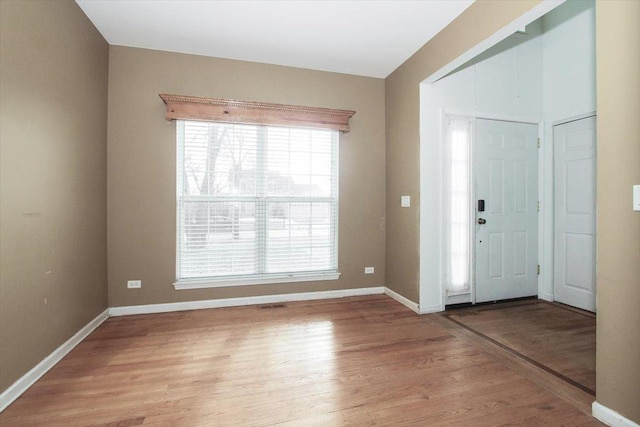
point(256, 203)
point(457, 218)
point(257, 191)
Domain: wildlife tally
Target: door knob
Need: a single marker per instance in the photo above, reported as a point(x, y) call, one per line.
point(482, 221)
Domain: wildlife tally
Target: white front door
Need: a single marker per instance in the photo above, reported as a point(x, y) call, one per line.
point(506, 245)
point(574, 213)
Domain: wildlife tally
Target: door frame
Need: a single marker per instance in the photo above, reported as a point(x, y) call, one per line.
point(453, 112)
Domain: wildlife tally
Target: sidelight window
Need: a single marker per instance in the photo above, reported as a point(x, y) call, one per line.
point(457, 223)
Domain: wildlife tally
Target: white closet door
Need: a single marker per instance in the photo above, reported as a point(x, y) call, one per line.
point(574, 213)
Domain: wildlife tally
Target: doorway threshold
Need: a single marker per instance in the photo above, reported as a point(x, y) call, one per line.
point(497, 304)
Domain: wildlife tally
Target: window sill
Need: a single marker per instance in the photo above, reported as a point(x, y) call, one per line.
point(256, 280)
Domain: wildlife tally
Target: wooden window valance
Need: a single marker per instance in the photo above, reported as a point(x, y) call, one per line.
point(255, 113)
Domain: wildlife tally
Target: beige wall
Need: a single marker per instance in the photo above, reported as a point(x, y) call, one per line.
point(53, 127)
point(477, 23)
point(141, 166)
point(618, 332)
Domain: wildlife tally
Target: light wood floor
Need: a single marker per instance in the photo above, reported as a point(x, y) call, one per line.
point(352, 361)
point(557, 337)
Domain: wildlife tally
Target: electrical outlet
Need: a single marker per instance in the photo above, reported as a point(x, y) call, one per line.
point(369, 270)
point(134, 284)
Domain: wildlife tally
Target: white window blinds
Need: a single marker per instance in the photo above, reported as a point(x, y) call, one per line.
point(255, 201)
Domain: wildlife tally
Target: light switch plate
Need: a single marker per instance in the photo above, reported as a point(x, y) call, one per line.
point(636, 198)
point(405, 201)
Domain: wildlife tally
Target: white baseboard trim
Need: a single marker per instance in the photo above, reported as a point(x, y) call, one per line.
point(431, 309)
point(402, 300)
point(234, 302)
point(547, 296)
point(610, 417)
point(412, 305)
point(27, 380)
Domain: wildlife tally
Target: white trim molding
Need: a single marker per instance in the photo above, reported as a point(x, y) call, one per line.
point(417, 308)
point(426, 309)
point(402, 300)
point(234, 302)
point(610, 417)
point(574, 118)
point(27, 380)
point(536, 12)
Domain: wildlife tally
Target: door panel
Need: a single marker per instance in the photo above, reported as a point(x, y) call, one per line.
point(496, 255)
point(519, 253)
point(495, 186)
point(506, 170)
point(574, 213)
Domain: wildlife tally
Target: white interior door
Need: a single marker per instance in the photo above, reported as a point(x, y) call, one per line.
point(574, 213)
point(506, 246)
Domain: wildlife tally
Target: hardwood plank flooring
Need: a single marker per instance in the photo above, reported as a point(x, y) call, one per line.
point(558, 337)
point(351, 361)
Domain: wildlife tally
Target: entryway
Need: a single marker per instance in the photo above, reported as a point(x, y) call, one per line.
point(491, 206)
point(490, 209)
point(542, 75)
point(512, 238)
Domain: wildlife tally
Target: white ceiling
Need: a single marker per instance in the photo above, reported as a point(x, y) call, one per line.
point(368, 38)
